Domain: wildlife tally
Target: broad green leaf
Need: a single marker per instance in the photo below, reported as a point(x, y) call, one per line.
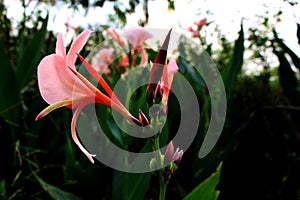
point(129, 186)
point(230, 72)
point(207, 189)
point(31, 55)
point(55, 192)
point(10, 98)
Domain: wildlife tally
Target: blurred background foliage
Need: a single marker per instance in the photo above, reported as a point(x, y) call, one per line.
point(259, 145)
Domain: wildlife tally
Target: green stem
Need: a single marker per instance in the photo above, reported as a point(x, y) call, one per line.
point(162, 190)
point(162, 184)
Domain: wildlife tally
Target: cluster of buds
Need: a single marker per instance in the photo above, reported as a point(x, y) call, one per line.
point(171, 160)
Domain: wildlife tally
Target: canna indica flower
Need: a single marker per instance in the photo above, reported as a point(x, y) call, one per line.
point(137, 36)
point(61, 85)
point(104, 58)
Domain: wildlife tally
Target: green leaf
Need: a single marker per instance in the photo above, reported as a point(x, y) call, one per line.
point(287, 78)
point(55, 192)
point(294, 57)
point(206, 190)
point(31, 55)
point(230, 72)
point(3, 194)
point(130, 186)
point(120, 14)
point(10, 98)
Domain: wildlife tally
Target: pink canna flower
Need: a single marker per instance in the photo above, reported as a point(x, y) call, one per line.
point(61, 85)
point(105, 55)
point(104, 58)
point(136, 37)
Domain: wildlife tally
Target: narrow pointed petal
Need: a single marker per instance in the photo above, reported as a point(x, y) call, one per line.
point(143, 119)
point(160, 60)
point(52, 107)
point(74, 134)
point(96, 76)
point(157, 68)
point(76, 47)
point(93, 90)
point(60, 47)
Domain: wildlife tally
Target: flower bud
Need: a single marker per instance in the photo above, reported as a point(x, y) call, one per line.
point(143, 119)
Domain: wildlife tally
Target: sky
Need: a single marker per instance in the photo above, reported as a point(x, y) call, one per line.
point(227, 14)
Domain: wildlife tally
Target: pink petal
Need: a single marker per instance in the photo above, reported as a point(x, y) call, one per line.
point(56, 83)
point(105, 56)
point(74, 135)
point(169, 153)
point(51, 75)
point(60, 48)
point(169, 71)
point(137, 36)
point(76, 47)
point(172, 67)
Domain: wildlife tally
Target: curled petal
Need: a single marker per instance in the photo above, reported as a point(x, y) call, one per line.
point(96, 76)
point(74, 134)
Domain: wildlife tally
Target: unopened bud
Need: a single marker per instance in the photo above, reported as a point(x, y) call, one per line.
point(143, 119)
point(158, 93)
